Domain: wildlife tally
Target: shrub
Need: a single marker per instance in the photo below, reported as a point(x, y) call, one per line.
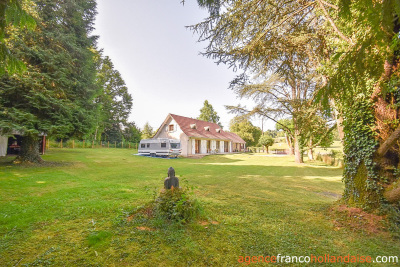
point(178, 205)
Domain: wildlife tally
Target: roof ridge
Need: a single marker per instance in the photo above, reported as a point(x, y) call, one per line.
point(197, 120)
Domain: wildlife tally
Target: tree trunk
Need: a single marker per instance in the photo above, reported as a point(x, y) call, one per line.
point(374, 181)
point(30, 149)
point(339, 120)
point(298, 155)
point(310, 151)
point(310, 154)
point(289, 143)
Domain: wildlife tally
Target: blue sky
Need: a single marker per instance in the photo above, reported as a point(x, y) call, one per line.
point(159, 59)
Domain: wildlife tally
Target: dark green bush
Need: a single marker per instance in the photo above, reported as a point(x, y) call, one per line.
point(178, 205)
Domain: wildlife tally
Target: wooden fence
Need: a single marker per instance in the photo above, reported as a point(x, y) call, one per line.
point(89, 144)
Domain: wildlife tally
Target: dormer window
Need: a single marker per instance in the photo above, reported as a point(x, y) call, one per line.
point(193, 126)
point(171, 128)
point(207, 128)
point(218, 130)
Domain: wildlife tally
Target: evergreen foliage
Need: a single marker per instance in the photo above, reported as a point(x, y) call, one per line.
point(207, 113)
point(132, 133)
point(363, 80)
point(147, 131)
point(349, 51)
point(13, 14)
point(114, 102)
point(55, 95)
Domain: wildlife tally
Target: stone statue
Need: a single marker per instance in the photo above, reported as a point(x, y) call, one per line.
point(171, 180)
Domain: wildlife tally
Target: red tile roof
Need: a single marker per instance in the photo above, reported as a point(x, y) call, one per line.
point(200, 131)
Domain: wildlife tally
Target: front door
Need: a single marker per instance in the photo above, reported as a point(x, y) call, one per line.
point(197, 146)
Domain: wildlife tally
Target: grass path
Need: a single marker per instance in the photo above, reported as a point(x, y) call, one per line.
point(75, 214)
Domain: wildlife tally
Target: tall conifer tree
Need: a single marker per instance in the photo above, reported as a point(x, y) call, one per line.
point(55, 95)
point(114, 102)
point(207, 113)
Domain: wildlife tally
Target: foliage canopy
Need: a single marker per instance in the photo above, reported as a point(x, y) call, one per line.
point(207, 113)
point(55, 95)
point(349, 51)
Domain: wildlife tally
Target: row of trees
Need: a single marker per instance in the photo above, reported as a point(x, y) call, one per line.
point(312, 133)
point(243, 127)
point(311, 61)
point(54, 79)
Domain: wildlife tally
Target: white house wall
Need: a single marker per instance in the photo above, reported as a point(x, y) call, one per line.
point(193, 147)
point(203, 146)
point(203, 149)
point(221, 146)
point(3, 145)
point(165, 133)
point(177, 134)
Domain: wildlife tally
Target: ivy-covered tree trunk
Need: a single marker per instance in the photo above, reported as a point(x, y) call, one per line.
point(30, 150)
point(372, 151)
point(371, 179)
point(371, 165)
point(386, 109)
point(360, 175)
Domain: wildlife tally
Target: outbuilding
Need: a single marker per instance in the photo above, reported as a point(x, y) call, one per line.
point(11, 144)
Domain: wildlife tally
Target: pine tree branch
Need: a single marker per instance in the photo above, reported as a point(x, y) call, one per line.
point(289, 16)
point(329, 4)
point(328, 17)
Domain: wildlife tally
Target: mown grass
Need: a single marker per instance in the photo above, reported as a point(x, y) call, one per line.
point(75, 213)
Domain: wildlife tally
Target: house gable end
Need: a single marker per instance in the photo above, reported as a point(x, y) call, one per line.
point(169, 129)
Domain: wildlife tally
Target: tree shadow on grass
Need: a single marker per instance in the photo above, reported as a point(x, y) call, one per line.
point(7, 159)
point(8, 162)
point(303, 172)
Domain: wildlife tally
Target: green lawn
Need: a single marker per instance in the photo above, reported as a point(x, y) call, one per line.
point(75, 213)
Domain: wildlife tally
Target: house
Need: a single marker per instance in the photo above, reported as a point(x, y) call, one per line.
point(199, 137)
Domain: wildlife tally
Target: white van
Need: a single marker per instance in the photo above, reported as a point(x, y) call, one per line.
point(160, 147)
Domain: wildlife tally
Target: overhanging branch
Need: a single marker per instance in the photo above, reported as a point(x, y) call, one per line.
point(328, 17)
point(389, 142)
